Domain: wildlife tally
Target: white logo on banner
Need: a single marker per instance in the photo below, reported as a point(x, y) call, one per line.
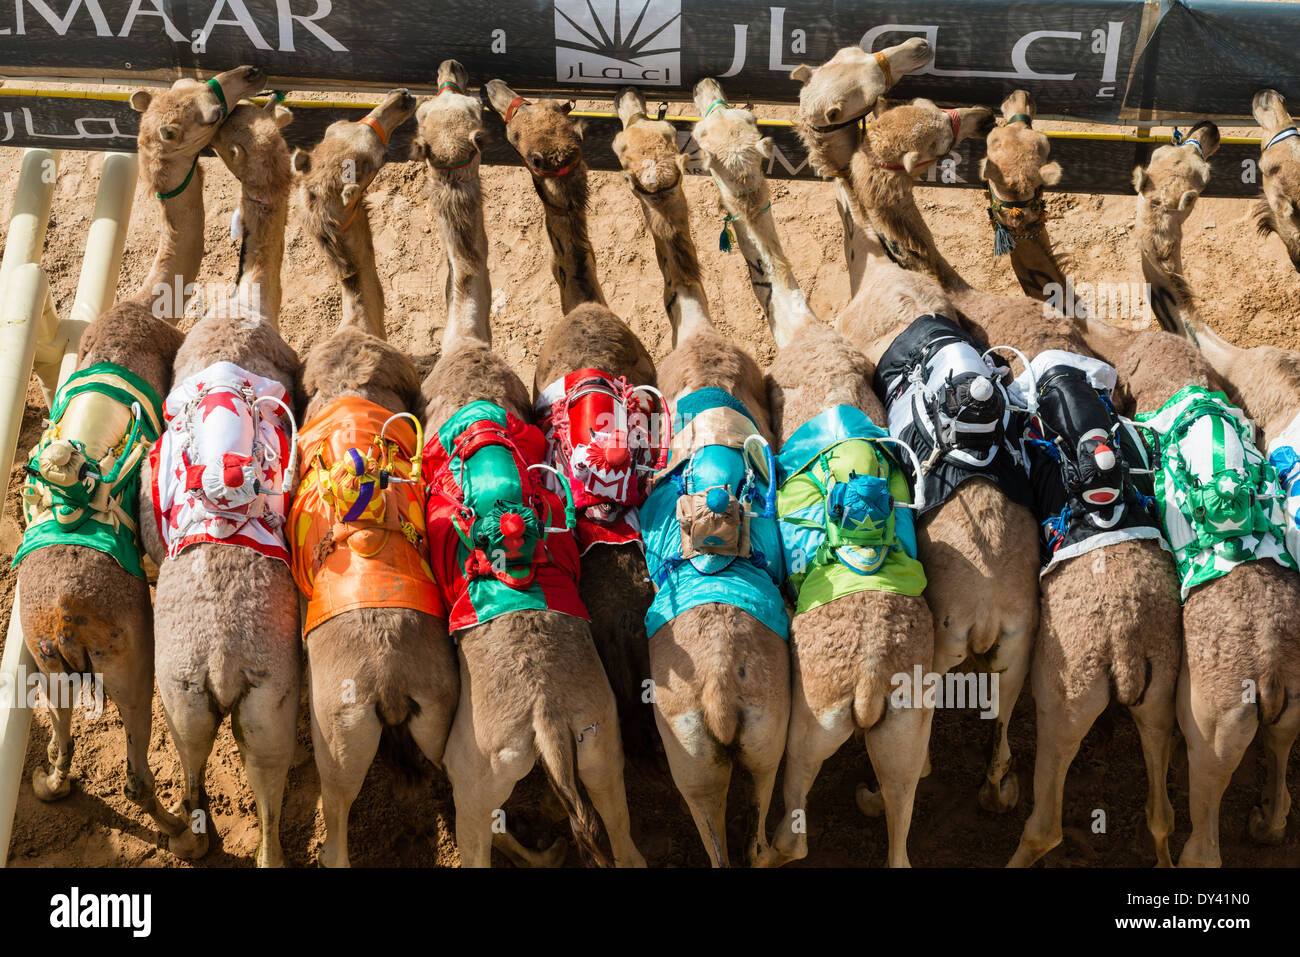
point(618, 41)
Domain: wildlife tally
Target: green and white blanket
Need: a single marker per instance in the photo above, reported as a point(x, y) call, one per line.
point(1220, 501)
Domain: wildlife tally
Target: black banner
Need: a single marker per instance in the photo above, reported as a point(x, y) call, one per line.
point(1077, 57)
point(1098, 163)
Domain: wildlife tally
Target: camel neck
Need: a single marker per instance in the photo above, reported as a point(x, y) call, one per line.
point(363, 296)
point(668, 219)
point(573, 263)
point(456, 198)
point(180, 244)
point(770, 274)
point(262, 252)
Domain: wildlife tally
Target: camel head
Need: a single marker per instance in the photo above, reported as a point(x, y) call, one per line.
point(1016, 166)
point(335, 174)
point(1279, 166)
point(646, 148)
point(836, 95)
point(250, 145)
point(1172, 180)
point(546, 138)
point(450, 123)
point(910, 137)
point(182, 120)
point(732, 148)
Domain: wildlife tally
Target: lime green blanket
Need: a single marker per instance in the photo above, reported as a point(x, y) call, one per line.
point(73, 496)
point(856, 539)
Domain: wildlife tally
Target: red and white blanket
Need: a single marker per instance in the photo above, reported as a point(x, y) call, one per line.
point(221, 468)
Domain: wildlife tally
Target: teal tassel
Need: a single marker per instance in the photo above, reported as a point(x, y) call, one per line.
point(728, 237)
point(1003, 242)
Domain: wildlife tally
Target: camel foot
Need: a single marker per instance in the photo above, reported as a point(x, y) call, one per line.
point(871, 803)
point(1261, 832)
point(53, 786)
point(186, 844)
point(269, 856)
point(1002, 797)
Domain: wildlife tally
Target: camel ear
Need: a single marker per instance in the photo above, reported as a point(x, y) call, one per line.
point(765, 147)
point(140, 100)
point(283, 116)
point(350, 193)
point(419, 150)
point(1051, 174)
point(910, 159)
point(988, 169)
point(620, 146)
point(1141, 181)
point(237, 158)
point(682, 160)
point(1187, 200)
point(478, 139)
point(580, 128)
point(802, 73)
point(169, 133)
point(301, 161)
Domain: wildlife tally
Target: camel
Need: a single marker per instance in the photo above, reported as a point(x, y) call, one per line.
point(450, 142)
point(1167, 189)
point(550, 146)
point(226, 616)
point(81, 610)
point(653, 167)
point(876, 181)
point(720, 675)
point(532, 684)
point(1226, 651)
point(844, 653)
point(1279, 165)
point(333, 178)
point(1016, 169)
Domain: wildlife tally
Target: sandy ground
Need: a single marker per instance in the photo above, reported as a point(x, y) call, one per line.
point(1249, 292)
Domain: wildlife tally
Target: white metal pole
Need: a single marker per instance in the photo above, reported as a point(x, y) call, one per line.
point(21, 308)
point(26, 235)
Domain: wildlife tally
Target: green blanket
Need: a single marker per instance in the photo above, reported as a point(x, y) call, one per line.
point(872, 545)
point(1220, 502)
point(70, 497)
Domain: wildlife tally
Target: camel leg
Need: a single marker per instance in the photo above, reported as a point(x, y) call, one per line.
point(897, 745)
point(600, 767)
point(130, 686)
point(1154, 718)
point(811, 740)
point(192, 719)
point(762, 742)
point(1268, 821)
point(58, 782)
point(345, 739)
point(1216, 740)
point(702, 777)
point(1062, 724)
point(264, 724)
point(1009, 662)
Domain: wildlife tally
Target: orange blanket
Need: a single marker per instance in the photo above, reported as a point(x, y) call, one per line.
point(366, 547)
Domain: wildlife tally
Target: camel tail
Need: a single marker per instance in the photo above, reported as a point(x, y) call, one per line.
point(717, 702)
point(1131, 675)
point(555, 747)
point(1272, 696)
point(398, 750)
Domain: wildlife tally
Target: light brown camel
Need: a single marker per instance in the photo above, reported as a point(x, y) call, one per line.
point(532, 684)
point(877, 181)
point(653, 167)
point(845, 653)
point(1167, 189)
point(1239, 630)
point(81, 611)
point(1279, 165)
point(979, 548)
point(226, 616)
point(550, 145)
point(1016, 168)
point(334, 178)
point(450, 142)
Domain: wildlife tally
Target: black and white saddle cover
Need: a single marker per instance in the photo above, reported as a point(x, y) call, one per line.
point(945, 400)
point(1088, 468)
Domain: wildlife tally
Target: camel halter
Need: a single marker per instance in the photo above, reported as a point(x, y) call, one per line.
point(1004, 240)
point(1020, 118)
point(1182, 139)
point(221, 98)
point(450, 83)
point(1285, 134)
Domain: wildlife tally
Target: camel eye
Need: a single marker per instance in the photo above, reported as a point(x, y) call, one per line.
point(833, 114)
